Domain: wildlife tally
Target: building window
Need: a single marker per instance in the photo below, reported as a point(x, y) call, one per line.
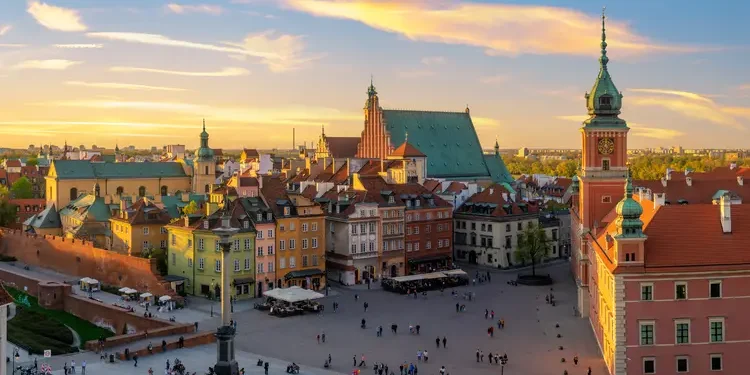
point(236, 265)
point(282, 263)
point(363, 228)
point(259, 235)
point(236, 245)
point(190, 263)
point(270, 266)
point(201, 263)
point(292, 244)
point(647, 333)
point(282, 245)
point(354, 228)
point(716, 329)
point(649, 365)
point(304, 227)
point(647, 292)
point(260, 251)
point(292, 262)
point(606, 199)
point(174, 259)
point(142, 191)
point(362, 247)
point(520, 226)
point(270, 233)
point(200, 244)
point(247, 244)
point(314, 260)
point(163, 230)
point(682, 364)
point(270, 249)
point(682, 332)
point(73, 194)
point(680, 290)
point(605, 164)
point(217, 265)
point(163, 244)
point(315, 243)
point(715, 288)
point(304, 261)
point(354, 249)
point(372, 227)
point(304, 243)
point(716, 362)
point(428, 245)
point(247, 264)
point(260, 267)
point(145, 245)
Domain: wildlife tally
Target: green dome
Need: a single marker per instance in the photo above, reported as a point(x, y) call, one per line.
point(604, 101)
point(204, 152)
point(629, 223)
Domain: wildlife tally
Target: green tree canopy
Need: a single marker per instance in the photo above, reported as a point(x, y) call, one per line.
point(532, 246)
point(191, 208)
point(21, 189)
point(32, 162)
point(7, 210)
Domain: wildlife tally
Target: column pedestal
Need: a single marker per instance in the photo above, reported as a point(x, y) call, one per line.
point(226, 364)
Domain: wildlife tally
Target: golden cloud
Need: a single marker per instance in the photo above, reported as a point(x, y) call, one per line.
point(226, 72)
point(79, 46)
point(197, 8)
point(4, 29)
point(696, 106)
point(122, 86)
point(501, 29)
point(636, 129)
point(54, 64)
point(55, 18)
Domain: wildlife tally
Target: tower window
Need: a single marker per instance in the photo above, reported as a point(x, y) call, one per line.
point(606, 199)
point(605, 100)
point(605, 164)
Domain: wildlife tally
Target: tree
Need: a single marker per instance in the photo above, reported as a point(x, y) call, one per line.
point(21, 189)
point(7, 210)
point(191, 208)
point(532, 246)
point(31, 162)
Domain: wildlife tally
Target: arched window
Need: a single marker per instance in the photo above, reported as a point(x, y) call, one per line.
point(164, 190)
point(120, 190)
point(73, 194)
point(142, 191)
point(208, 187)
point(206, 170)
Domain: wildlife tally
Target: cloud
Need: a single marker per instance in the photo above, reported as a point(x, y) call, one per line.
point(56, 18)
point(498, 78)
point(11, 45)
point(279, 52)
point(97, 123)
point(4, 29)
point(198, 8)
point(433, 60)
point(636, 130)
point(484, 122)
point(79, 46)
point(54, 64)
point(696, 106)
point(745, 87)
point(226, 72)
point(416, 73)
point(123, 86)
point(500, 29)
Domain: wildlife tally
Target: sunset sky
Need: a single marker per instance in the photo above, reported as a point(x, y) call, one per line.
point(146, 72)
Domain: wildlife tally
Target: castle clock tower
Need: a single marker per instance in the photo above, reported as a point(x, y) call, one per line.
point(604, 141)
point(204, 166)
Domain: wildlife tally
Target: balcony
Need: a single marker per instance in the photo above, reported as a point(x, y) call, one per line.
point(365, 255)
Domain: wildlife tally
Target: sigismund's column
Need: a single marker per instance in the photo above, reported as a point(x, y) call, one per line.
point(225, 362)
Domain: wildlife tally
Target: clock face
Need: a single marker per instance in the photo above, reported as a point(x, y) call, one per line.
point(606, 146)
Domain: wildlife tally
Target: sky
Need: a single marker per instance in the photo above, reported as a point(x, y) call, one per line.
point(147, 72)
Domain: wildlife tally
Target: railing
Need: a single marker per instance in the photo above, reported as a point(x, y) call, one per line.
point(368, 254)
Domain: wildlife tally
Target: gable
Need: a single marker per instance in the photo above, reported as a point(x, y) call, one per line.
point(447, 138)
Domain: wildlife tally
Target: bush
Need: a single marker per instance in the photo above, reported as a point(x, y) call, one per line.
point(42, 325)
point(110, 289)
point(7, 258)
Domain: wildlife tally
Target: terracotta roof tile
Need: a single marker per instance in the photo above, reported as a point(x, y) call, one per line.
point(492, 202)
point(342, 147)
point(701, 189)
point(433, 186)
point(310, 192)
point(407, 150)
point(456, 187)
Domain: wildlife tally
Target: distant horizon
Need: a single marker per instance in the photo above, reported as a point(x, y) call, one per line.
point(138, 71)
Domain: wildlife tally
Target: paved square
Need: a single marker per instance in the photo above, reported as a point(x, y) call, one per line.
point(529, 339)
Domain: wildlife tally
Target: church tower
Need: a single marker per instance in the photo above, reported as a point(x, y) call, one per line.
point(204, 166)
point(375, 141)
point(604, 143)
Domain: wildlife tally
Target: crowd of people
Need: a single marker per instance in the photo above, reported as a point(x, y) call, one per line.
point(422, 285)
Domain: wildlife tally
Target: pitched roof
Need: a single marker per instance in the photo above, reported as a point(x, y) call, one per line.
point(701, 190)
point(310, 192)
point(5, 297)
point(12, 163)
point(492, 202)
point(407, 150)
point(372, 167)
point(342, 147)
point(84, 169)
point(497, 168)
point(144, 211)
point(447, 138)
point(248, 181)
point(433, 186)
point(174, 203)
point(49, 218)
point(87, 205)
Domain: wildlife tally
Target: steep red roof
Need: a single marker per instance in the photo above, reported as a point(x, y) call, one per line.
point(701, 190)
point(12, 163)
point(373, 167)
point(407, 150)
point(434, 186)
point(342, 147)
point(310, 192)
point(455, 187)
point(248, 181)
point(492, 202)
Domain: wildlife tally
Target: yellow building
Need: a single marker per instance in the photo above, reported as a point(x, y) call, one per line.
point(195, 255)
point(138, 227)
point(68, 179)
point(300, 237)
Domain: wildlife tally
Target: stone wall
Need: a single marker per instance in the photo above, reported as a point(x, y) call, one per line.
point(82, 259)
point(189, 342)
point(125, 339)
point(111, 317)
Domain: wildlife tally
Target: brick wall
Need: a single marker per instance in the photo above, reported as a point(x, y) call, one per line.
point(125, 339)
point(189, 342)
point(103, 315)
point(82, 259)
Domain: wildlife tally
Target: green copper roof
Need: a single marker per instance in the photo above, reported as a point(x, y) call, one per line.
point(629, 212)
point(204, 152)
point(498, 171)
point(447, 138)
point(87, 206)
point(49, 218)
point(84, 169)
point(605, 101)
point(174, 203)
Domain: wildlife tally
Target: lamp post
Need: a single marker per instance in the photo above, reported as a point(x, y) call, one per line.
point(225, 362)
point(16, 357)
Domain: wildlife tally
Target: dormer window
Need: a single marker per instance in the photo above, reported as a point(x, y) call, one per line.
point(268, 216)
point(247, 224)
point(408, 204)
point(416, 202)
point(260, 217)
point(205, 224)
point(605, 101)
point(287, 211)
point(391, 199)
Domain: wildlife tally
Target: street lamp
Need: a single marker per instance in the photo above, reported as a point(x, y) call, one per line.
point(225, 362)
point(16, 357)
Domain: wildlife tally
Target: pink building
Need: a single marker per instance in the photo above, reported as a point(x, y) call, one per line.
point(265, 240)
point(246, 186)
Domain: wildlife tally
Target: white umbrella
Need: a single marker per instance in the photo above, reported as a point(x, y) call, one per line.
point(164, 298)
point(125, 290)
point(146, 295)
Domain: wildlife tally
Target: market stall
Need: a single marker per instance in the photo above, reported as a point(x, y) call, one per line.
point(426, 281)
point(128, 293)
point(290, 301)
point(88, 284)
point(146, 298)
point(166, 303)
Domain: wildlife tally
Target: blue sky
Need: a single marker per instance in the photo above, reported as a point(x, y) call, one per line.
point(146, 72)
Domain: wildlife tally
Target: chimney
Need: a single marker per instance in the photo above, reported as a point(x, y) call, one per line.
point(492, 191)
point(640, 194)
point(659, 199)
point(505, 196)
point(347, 166)
point(122, 205)
point(668, 174)
point(740, 180)
point(689, 181)
point(726, 213)
point(187, 220)
point(733, 165)
point(663, 182)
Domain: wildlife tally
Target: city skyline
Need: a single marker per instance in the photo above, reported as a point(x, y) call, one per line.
point(145, 73)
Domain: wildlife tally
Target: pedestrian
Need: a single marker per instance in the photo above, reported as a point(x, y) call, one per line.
point(73, 366)
point(419, 355)
point(492, 331)
point(502, 323)
point(401, 369)
point(589, 371)
point(150, 371)
point(489, 357)
point(362, 363)
point(457, 306)
point(366, 306)
point(354, 360)
point(417, 328)
point(265, 368)
point(83, 368)
point(135, 360)
point(65, 368)
point(492, 313)
point(444, 342)
point(489, 279)
point(323, 337)
point(442, 370)
point(394, 327)
point(575, 359)
point(486, 312)
point(437, 342)
point(426, 356)
point(481, 356)
point(329, 358)
point(477, 355)
point(318, 338)
point(356, 297)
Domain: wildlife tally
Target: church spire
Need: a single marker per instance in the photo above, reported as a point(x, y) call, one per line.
point(603, 60)
point(497, 147)
point(371, 90)
point(605, 101)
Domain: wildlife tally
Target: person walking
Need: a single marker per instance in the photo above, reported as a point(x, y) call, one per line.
point(265, 368)
point(457, 306)
point(318, 337)
point(426, 356)
point(437, 342)
point(417, 328)
point(445, 341)
point(366, 306)
point(135, 360)
point(589, 371)
point(442, 370)
point(362, 363)
point(575, 359)
point(65, 368)
point(329, 358)
point(481, 356)
point(486, 313)
point(73, 366)
point(492, 314)
point(419, 356)
point(354, 360)
point(83, 368)
point(477, 355)
point(150, 371)
point(356, 297)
